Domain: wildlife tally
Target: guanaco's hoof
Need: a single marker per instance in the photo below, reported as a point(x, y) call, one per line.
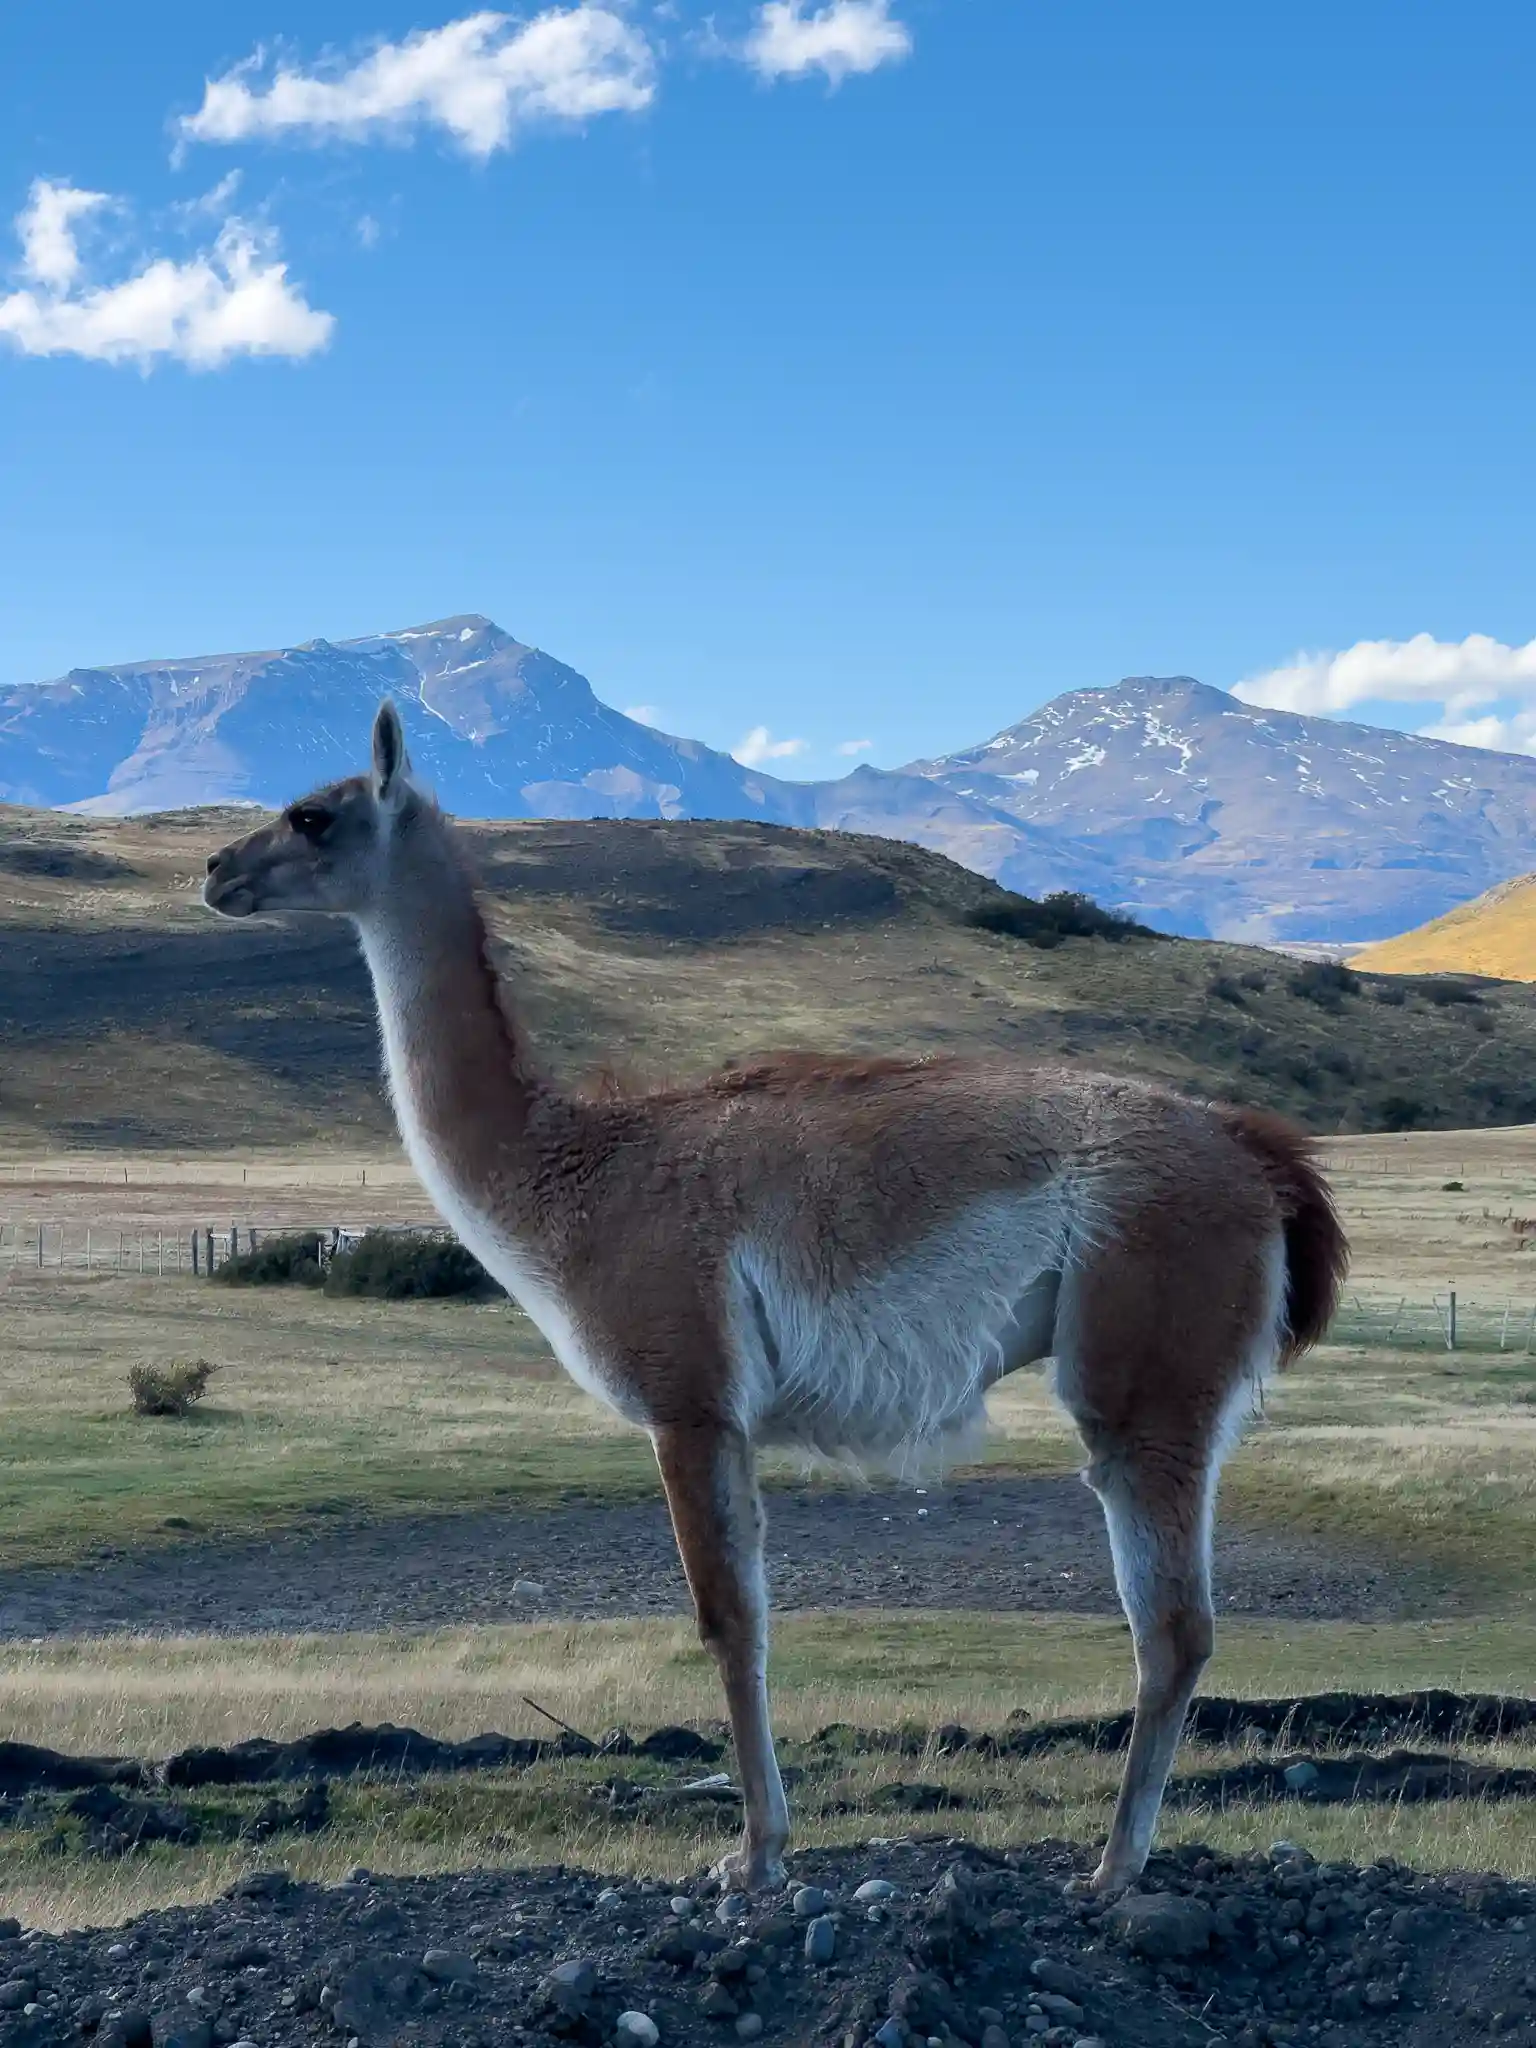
point(743, 1871)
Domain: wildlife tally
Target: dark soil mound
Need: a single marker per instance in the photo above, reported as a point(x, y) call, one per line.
point(946, 1943)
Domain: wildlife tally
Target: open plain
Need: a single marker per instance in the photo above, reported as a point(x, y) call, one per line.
point(399, 1513)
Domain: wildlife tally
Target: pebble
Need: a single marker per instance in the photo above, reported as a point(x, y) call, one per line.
point(718, 2004)
point(892, 2035)
point(682, 1907)
point(820, 1939)
point(1162, 1926)
point(527, 1589)
point(450, 1966)
point(809, 1902)
point(577, 1975)
point(749, 2026)
point(874, 1888)
point(993, 2037)
point(636, 2030)
point(1300, 1776)
point(733, 1907)
point(1089, 2041)
point(1053, 1976)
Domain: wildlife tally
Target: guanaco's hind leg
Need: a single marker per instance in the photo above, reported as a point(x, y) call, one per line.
point(1156, 1506)
point(1158, 1356)
point(717, 1517)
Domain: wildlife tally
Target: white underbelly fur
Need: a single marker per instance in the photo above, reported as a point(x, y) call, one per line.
point(899, 1363)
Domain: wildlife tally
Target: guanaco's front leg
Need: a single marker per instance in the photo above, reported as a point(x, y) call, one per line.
point(717, 1517)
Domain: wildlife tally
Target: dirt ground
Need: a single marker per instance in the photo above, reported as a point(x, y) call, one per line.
point(957, 1946)
point(1005, 1544)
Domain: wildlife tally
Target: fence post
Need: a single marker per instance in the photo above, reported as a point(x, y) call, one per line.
point(1451, 1345)
point(39, 1247)
point(210, 1254)
point(194, 1255)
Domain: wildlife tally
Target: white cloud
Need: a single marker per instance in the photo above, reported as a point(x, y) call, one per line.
point(1484, 688)
point(481, 79)
point(842, 37)
point(50, 255)
point(1462, 673)
point(231, 299)
point(760, 746)
point(855, 746)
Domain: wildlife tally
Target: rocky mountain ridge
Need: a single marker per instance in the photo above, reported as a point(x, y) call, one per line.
point(1161, 795)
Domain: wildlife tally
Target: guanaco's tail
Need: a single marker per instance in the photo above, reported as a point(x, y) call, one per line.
point(1316, 1248)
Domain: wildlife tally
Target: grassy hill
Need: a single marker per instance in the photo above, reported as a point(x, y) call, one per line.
point(129, 1017)
point(1494, 934)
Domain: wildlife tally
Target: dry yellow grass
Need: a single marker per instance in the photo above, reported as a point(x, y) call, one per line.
point(1494, 934)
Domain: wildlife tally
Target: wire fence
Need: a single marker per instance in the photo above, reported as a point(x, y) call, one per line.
point(1445, 1322)
point(161, 1251)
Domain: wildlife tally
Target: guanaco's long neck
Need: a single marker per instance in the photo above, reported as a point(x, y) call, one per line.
point(460, 1071)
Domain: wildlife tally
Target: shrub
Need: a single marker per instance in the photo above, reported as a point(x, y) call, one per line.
point(1254, 978)
point(1444, 993)
point(1324, 982)
point(1065, 915)
point(171, 1389)
point(1399, 1112)
point(1225, 990)
point(1392, 993)
point(276, 1262)
point(391, 1265)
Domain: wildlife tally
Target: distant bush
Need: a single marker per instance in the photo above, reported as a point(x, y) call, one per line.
point(1225, 990)
point(1065, 915)
point(1325, 982)
point(389, 1265)
point(1254, 978)
point(1443, 994)
point(276, 1262)
point(171, 1389)
point(1392, 993)
point(1399, 1112)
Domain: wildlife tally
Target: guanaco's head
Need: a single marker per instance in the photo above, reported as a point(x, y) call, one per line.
point(329, 851)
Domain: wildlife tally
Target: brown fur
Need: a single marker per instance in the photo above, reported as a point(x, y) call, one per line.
point(1316, 1249)
point(647, 1232)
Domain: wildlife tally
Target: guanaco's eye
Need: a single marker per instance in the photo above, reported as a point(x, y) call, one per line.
point(310, 819)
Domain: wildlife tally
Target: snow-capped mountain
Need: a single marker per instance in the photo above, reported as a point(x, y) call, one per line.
point(1161, 795)
point(1214, 816)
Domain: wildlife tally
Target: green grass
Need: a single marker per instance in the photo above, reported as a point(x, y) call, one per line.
point(883, 1671)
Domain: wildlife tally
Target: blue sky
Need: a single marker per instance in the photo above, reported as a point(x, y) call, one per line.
point(871, 372)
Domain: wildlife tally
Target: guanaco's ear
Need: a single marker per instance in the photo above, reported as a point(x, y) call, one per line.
point(391, 763)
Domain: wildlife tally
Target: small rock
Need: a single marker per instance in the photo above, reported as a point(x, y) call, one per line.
point(610, 1899)
point(527, 1589)
point(809, 1902)
point(14, 1996)
point(682, 1907)
point(993, 2037)
point(1162, 1926)
point(1053, 1976)
point(875, 1888)
point(820, 1939)
point(892, 2035)
point(1061, 2012)
point(450, 1966)
point(1299, 1777)
point(189, 2034)
point(117, 1951)
point(635, 2030)
point(718, 2004)
point(733, 1907)
point(1089, 2041)
point(129, 2028)
point(576, 1976)
point(749, 2026)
